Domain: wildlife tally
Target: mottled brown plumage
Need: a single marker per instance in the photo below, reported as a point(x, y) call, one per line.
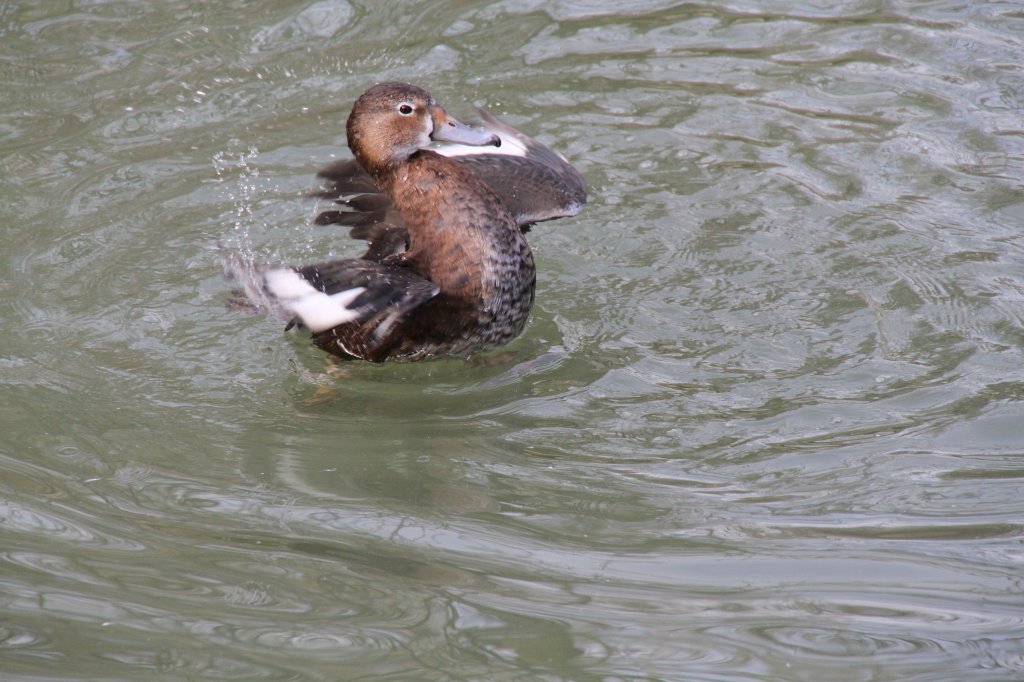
point(448, 271)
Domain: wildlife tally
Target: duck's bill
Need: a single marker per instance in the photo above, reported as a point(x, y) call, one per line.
point(448, 129)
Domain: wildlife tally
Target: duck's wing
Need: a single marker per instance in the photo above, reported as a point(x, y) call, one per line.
point(533, 182)
point(368, 211)
point(323, 296)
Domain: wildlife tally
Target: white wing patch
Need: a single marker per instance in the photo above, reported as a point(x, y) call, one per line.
point(317, 310)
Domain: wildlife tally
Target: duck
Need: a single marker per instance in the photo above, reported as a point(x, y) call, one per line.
point(444, 208)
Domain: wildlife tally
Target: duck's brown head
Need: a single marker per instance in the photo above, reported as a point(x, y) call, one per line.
point(391, 121)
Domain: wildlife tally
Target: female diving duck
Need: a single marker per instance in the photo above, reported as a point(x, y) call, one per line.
point(448, 270)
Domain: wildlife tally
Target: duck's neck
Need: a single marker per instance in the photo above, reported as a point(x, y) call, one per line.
point(422, 185)
point(381, 169)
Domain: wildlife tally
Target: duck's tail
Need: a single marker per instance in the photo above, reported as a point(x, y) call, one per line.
point(286, 294)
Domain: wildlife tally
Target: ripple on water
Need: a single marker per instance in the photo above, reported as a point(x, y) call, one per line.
point(13, 637)
point(39, 522)
point(764, 423)
point(337, 643)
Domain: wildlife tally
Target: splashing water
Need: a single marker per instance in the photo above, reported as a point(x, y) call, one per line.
point(241, 171)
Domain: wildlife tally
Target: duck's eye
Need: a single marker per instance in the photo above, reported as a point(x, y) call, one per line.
point(405, 109)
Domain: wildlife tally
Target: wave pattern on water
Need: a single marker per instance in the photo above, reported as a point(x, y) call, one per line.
point(764, 423)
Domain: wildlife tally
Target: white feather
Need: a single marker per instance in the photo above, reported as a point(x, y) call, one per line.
point(317, 310)
point(510, 146)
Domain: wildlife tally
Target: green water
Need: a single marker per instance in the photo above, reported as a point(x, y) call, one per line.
point(766, 422)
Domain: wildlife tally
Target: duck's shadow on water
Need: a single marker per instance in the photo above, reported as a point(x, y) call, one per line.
point(329, 381)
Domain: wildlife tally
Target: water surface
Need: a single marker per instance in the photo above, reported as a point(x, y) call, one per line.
point(765, 422)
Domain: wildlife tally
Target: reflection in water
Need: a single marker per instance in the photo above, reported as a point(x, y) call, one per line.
point(763, 423)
